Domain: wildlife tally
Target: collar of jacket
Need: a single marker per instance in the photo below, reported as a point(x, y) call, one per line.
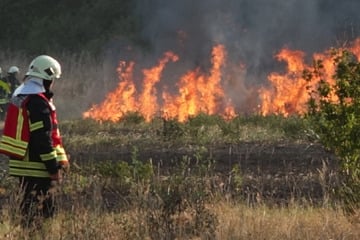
point(31, 85)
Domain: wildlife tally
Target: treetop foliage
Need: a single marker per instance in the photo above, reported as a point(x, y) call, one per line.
point(71, 26)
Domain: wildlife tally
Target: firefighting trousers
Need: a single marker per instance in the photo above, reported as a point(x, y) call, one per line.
point(37, 203)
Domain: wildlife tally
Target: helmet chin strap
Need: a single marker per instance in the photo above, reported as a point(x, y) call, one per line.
point(48, 93)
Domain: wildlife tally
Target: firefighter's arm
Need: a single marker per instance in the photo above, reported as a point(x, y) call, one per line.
point(5, 86)
point(62, 157)
point(40, 137)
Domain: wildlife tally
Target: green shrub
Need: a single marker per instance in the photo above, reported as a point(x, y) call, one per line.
point(133, 118)
point(334, 112)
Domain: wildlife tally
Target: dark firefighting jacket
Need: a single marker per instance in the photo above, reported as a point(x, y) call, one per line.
point(31, 137)
point(12, 81)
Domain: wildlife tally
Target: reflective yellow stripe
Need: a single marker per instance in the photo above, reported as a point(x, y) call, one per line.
point(11, 149)
point(15, 146)
point(25, 168)
point(20, 122)
point(26, 164)
point(28, 173)
point(16, 142)
point(48, 156)
point(36, 126)
point(60, 154)
point(61, 157)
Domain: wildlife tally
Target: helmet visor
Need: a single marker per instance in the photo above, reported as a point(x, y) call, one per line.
point(52, 74)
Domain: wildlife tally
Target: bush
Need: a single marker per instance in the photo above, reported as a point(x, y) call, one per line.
point(334, 111)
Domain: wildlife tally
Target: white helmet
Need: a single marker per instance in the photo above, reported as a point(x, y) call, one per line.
point(13, 69)
point(44, 67)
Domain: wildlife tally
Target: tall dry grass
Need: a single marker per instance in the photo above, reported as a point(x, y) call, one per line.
point(93, 207)
point(235, 221)
point(292, 222)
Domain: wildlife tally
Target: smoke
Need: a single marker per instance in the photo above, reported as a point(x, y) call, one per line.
point(252, 31)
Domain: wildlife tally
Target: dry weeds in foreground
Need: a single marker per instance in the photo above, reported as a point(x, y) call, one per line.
point(236, 221)
point(294, 222)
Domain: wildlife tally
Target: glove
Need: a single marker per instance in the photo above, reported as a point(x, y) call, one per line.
point(56, 178)
point(64, 165)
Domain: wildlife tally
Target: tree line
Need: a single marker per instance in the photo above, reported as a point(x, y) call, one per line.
point(33, 26)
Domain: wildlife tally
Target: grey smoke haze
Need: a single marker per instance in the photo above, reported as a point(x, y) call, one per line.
point(252, 31)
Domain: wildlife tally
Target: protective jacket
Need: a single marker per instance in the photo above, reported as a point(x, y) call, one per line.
point(12, 81)
point(4, 92)
point(31, 137)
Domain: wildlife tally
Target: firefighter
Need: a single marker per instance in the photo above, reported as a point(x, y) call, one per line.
point(32, 141)
point(12, 77)
point(4, 96)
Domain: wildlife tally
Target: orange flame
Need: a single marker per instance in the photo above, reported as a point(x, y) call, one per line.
point(119, 102)
point(148, 98)
point(289, 92)
point(197, 93)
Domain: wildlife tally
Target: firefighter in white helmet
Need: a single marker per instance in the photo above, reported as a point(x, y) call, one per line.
point(32, 141)
point(12, 77)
